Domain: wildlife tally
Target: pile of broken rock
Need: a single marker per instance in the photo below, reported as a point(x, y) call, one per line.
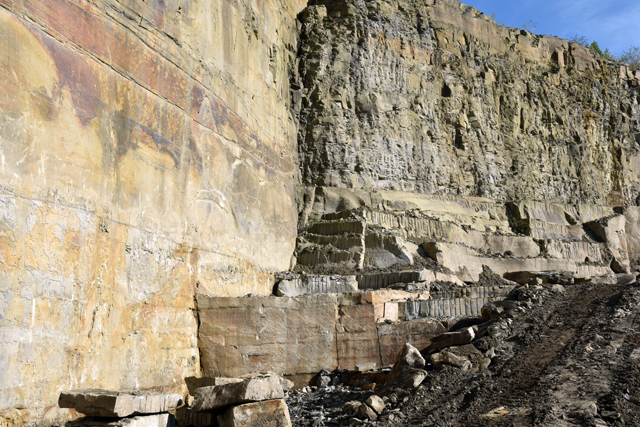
point(251, 400)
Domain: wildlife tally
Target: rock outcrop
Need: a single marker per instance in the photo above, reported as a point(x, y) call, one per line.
point(147, 154)
point(434, 97)
point(221, 187)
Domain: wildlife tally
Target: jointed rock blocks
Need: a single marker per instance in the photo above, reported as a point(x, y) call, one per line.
point(305, 334)
point(105, 408)
point(102, 403)
point(147, 159)
point(252, 389)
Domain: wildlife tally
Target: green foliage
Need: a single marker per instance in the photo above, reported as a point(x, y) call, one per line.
point(595, 48)
point(608, 55)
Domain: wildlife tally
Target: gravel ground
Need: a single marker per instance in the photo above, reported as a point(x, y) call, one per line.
point(561, 357)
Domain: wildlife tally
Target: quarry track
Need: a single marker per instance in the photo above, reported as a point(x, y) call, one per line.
point(572, 364)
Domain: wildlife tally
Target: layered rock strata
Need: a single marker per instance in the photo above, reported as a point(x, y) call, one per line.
point(435, 97)
point(145, 146)
point(148, 171)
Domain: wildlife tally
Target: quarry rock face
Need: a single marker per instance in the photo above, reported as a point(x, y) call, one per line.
point(145, 148)
point(434, 97)
point(165, 164)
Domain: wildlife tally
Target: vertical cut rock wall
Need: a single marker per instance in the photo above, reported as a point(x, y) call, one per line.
point(431, 96)
point(146, 155)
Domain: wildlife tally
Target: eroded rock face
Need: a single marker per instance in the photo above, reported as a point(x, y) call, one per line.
point(146, 147)
point(434, 97)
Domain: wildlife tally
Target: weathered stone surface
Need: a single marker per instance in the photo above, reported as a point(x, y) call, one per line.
point(287, 335)
point(252, 389)
point(356, 334)
point(467, 264)
point(376, 403)
point(612, 231)
point(146, 147)
point(156, 420)
point(270, 413)
point(428, 105)
point(296, 285)
point(105, 403)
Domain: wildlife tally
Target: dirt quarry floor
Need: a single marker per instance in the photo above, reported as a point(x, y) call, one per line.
point(567, 357)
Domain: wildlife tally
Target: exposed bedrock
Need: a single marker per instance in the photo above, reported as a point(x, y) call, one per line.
point(434, 97)
point(166, 166)
point(147, 154)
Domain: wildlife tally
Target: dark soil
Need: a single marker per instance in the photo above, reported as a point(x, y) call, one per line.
point(562, 359)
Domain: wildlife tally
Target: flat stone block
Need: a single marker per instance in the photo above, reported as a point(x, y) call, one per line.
point(253, 389)
point(106, 403)
point(270, 413)
point(156, 420)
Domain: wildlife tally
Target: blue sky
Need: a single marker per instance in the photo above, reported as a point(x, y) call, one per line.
point(614, 24)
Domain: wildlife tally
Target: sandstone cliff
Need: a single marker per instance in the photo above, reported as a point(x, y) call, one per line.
point(146, 155)
point(150, 156)
point(433, 97)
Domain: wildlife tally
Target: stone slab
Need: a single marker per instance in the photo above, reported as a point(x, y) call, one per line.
point(194, 383)
point(155, 420)
point(287, 335)
point(105, 403)
point(252, 389)
point(315, 284)
point(467, 264)
point(270, 413)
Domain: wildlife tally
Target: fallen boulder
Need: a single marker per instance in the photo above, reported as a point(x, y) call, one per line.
point(366, 413)
point(408, 358)
point(251, 389)
point(612, 230)
point(106, 403)
point(450, 359)
point(376, 403)
point(450, 339)
point(269, 413)
point(538, 277)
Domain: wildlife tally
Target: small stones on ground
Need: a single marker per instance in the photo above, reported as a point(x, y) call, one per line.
point(351, 406)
